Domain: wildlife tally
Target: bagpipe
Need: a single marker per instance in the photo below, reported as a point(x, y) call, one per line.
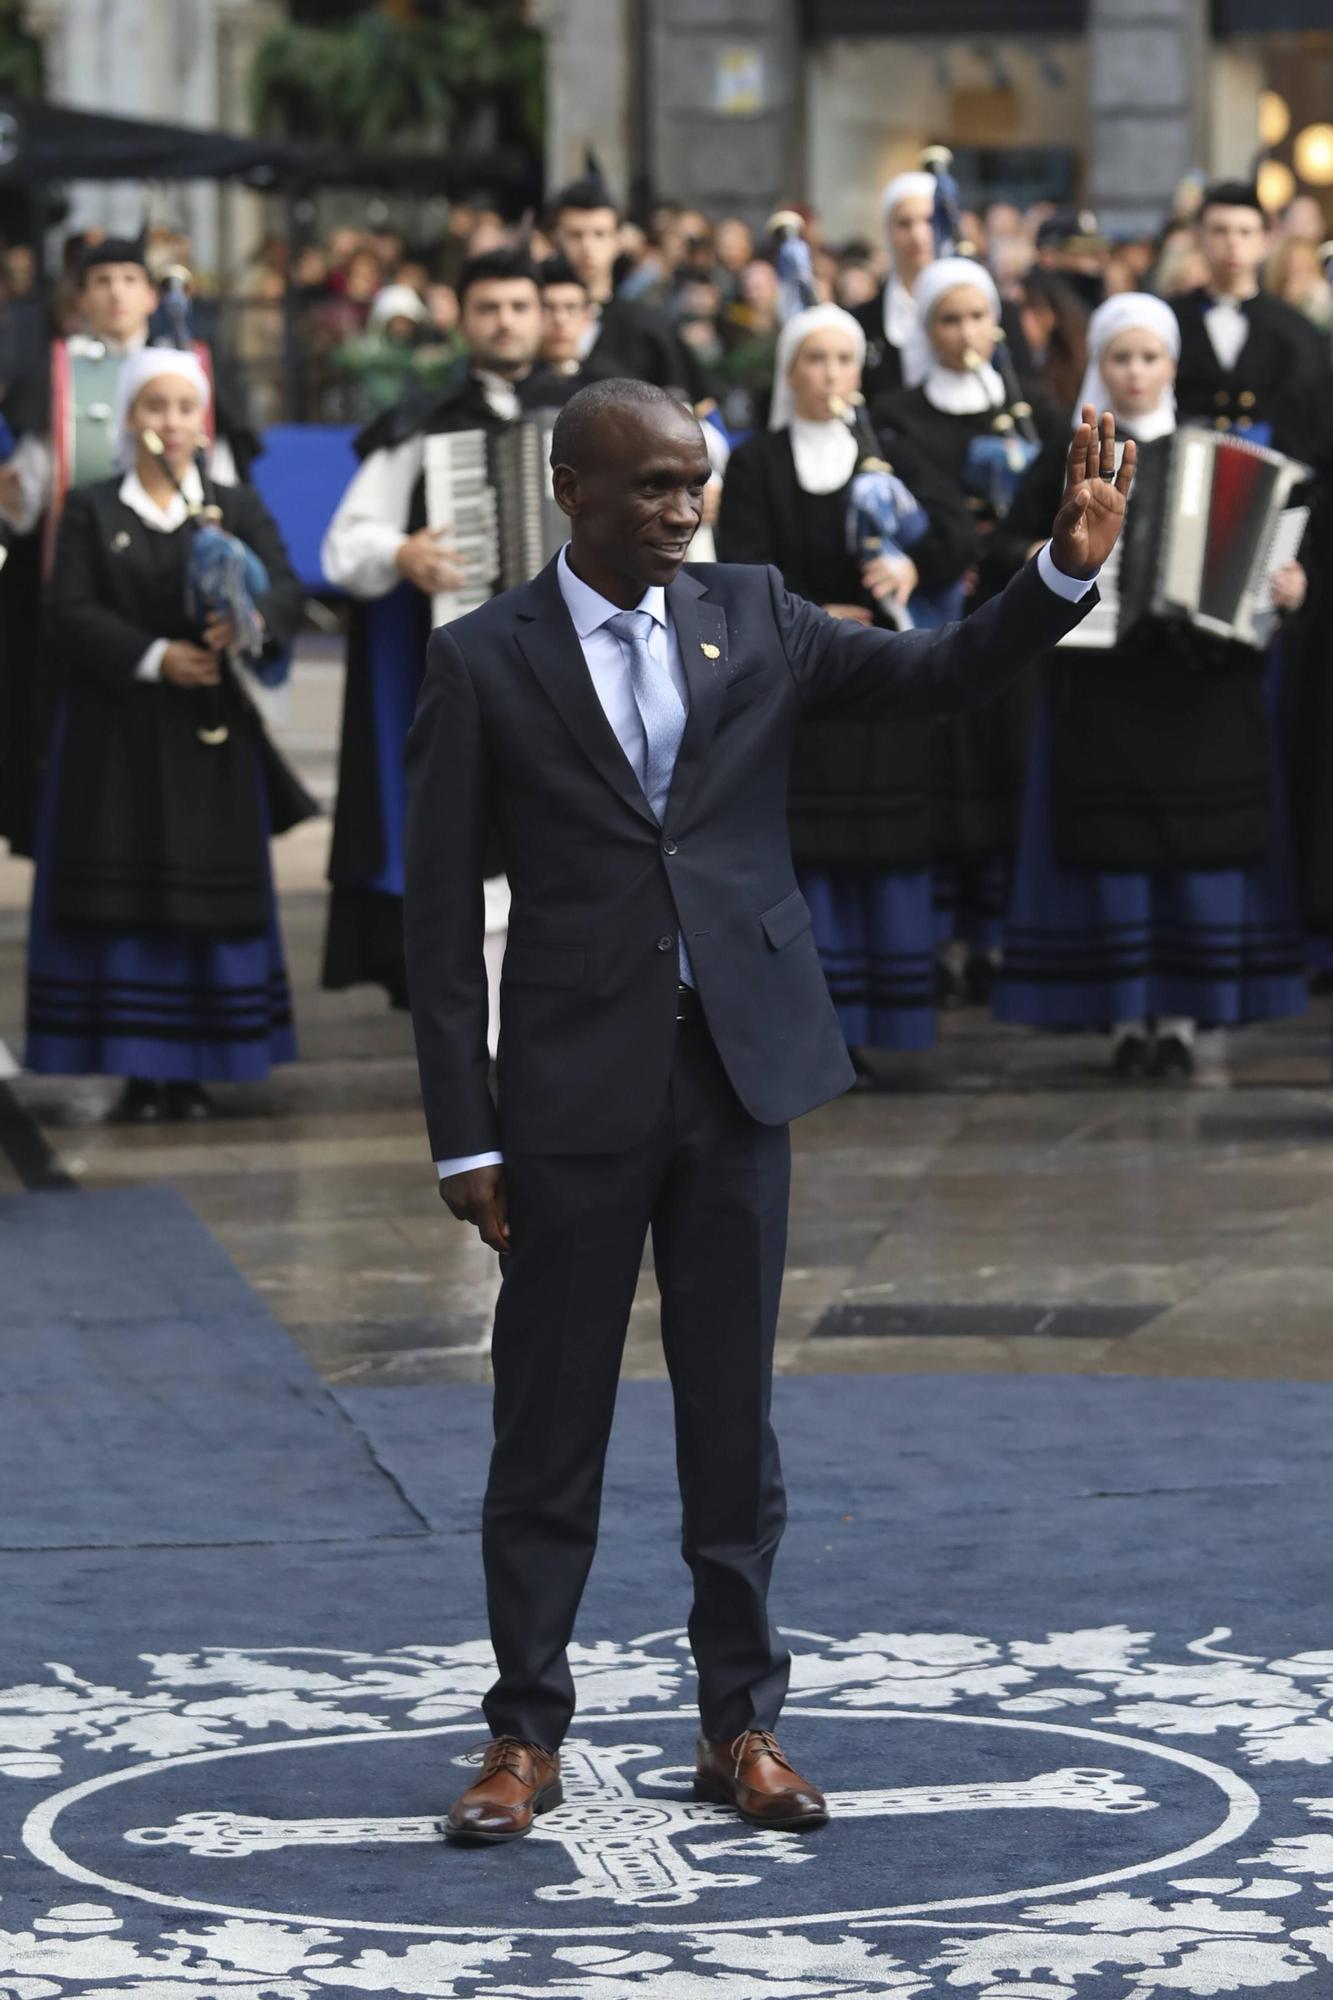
point(997, 460)
point(791, 255)
point(884, 517)
point(224, 578)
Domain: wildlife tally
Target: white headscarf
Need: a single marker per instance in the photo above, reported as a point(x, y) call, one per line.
point(141, 368)
point(396, 302)
point(1113, 317)
point(791, 340)
point(825, 452)
point(902, 188)
point(899, 305)
point(944, 275)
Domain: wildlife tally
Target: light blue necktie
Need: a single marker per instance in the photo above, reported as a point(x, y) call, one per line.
point(663, 716)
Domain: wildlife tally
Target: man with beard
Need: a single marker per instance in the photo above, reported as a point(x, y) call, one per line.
point(390, 559)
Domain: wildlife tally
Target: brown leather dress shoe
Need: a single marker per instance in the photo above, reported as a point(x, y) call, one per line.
point(518, 1781)
point(752, 1774)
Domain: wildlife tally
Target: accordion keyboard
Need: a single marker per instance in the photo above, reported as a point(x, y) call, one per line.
point(459, 493)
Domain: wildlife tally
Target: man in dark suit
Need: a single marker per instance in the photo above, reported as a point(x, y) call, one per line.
point(629, 725)
point(1249, 362)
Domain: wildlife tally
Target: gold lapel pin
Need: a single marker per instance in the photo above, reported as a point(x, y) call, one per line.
point(120, 540)
point(709, 652)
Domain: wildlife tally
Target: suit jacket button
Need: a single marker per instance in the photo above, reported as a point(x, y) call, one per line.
point(666, 944)
point(668, 847)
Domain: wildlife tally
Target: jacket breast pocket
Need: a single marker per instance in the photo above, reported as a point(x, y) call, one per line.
point(543, 964)
point(785, 922)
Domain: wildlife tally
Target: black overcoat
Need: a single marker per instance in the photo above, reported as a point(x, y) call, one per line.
point(1161, 754)
point(1283, 367)
point(859, 792)
point(978, 762)
point(155, 829)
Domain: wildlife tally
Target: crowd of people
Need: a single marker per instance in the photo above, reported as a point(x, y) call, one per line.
point(1136, 840)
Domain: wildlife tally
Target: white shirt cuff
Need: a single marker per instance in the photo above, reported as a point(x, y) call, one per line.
point(1071, 587)
point(150, 665)
point(465, 1165)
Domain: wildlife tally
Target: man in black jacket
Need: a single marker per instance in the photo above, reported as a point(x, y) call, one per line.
point(664, 1016)
point(389, 558)
point(1249, 362)
point(628, 338)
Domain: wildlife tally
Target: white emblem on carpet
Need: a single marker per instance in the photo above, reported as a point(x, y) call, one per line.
point(620, 1881)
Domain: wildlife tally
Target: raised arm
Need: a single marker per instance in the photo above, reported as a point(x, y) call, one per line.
point(842, 669)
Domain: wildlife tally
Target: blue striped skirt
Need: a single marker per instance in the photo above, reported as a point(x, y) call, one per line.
point(876, 939)
point(1086, 948)
point(155, 1004)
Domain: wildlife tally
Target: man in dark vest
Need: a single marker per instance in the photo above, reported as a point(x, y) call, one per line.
point(1249, 362)
point(630, 723)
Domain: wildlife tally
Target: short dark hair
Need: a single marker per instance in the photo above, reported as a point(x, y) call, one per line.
point(589, 193)
point(559, 271)
point(495, 264)
point(574, 436)
point(1232, 194)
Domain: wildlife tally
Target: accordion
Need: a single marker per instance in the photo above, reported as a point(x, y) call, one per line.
point(494, 487)
point(1210, 520)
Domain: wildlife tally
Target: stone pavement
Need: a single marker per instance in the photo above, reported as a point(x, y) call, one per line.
point(1002, 1206)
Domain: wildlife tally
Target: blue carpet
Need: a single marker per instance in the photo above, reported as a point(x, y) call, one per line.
point(1064, 1658)
point(149, 1397)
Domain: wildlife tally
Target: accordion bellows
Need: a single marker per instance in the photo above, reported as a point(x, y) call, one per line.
point(1210, 520)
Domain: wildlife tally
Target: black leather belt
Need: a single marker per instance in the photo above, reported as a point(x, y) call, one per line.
point(687, 1004)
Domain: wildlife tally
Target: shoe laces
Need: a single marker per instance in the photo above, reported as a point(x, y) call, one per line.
point(756, 1743)
point(503, 1753)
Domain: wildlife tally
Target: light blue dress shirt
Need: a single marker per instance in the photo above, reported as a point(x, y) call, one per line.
point(609, 669)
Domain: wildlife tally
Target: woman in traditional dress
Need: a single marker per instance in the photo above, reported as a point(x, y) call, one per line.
point(957, 407)
point(1154, 893)
point(858, 814)
point(154, 951)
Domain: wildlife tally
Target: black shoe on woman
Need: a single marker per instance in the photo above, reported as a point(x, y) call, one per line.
point(143, 1101)
point(189, 1101)
point(1130, 1056)
point(1173, 1056)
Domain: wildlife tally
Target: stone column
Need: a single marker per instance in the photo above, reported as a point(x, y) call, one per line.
point(1147, 105)
point(724, 104)
point(588, 87)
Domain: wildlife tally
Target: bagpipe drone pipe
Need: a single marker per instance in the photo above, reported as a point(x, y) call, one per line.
point(885, 518)
point(224, 578)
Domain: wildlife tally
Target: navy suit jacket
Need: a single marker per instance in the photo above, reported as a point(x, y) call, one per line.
point(509, 725)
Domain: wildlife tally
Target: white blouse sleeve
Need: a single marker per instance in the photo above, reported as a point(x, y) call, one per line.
point(370, 526)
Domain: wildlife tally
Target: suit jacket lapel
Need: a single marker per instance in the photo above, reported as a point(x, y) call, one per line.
point(551, 647)
point(698, 624)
